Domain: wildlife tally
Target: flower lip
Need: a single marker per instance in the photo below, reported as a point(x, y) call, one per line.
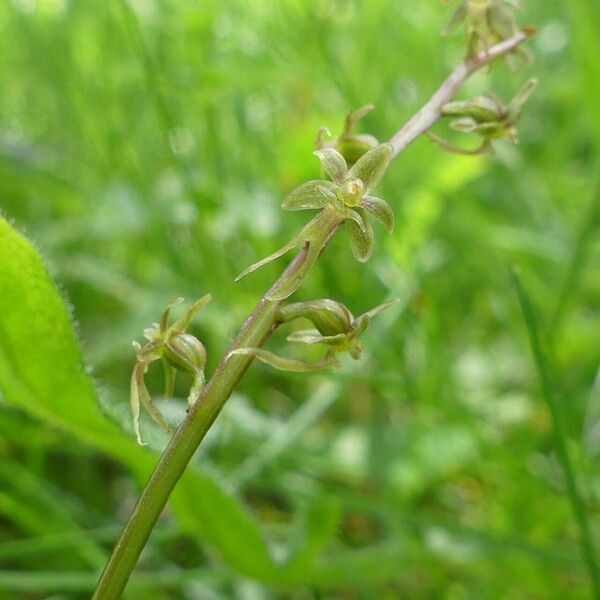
point(351, 192)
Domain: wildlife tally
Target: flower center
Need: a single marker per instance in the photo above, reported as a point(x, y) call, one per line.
point(351, 192)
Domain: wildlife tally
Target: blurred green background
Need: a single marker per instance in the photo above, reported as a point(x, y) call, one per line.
point(145, 147)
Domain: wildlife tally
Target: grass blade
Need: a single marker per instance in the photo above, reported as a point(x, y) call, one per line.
point(560, 435)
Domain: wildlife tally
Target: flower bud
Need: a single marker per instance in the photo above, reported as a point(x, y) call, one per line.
point(186, 352)
point(328, 316)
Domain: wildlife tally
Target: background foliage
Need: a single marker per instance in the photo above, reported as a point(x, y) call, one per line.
point(145, 147)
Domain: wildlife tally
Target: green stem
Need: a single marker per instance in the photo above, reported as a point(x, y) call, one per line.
point(256, 330)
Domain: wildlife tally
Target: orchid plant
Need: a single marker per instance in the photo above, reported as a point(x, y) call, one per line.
point(353, 165)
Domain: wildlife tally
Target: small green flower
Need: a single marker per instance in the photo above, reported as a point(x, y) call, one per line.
point(177, 350)
point(486, 22)
point(335, 328)
point(488, 117)
point(346, 198)
point(348, 193)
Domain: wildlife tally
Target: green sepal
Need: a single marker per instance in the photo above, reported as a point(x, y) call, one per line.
point(380, 209)
point(501, 21)
point(308, 195)
point(333, 163)
point(361, 237)
point(183, 323)
point(456, 18)
point(371, 167)
point(480, 108)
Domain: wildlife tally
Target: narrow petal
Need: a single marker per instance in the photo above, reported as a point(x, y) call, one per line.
point(313, 336)
point(380, 209)
point(281, 363)
point(134, 401)
point(361, 242)
point(183, 323)
point(353, 117)
point(464, 124)
point(333, 164)
point(164, 320)
point(516, 104)
point(304, 336)
point(308, 195)
point(484, 148)
point(371, 167)
point(382, 307)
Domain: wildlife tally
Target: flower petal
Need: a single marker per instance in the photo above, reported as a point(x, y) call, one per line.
point(282, 363)
point(361, 239)
point(480, 108)
point(516, 104)
point(312, 336)
point(353, 117)
point(308, 195)
point(380, 209)
point(333, 164)
point(371, 167)
point(464, 124)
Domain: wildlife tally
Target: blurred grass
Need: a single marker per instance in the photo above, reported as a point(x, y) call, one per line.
point(145, 147)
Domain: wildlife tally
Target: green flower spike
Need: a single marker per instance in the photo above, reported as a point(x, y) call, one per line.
point(343, 199)
point(177, 350)
point(486, 22)
point(488, 117)
point(349, 144)
point(335, 328)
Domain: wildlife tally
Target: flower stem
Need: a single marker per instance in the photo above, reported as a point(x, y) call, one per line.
point(254, 333)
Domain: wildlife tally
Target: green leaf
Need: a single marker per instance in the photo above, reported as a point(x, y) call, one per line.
point(371, 167)
point(41, 371)
point(333, 163)
point(308, 195)
point(380, 209)
point(41, 367)
point(319, 528)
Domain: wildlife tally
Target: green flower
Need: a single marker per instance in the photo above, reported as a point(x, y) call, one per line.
point(486, 22)
point(348, 193)
point(177, 350)
point(335, 328)
point(346, 198)
point(488, 117)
